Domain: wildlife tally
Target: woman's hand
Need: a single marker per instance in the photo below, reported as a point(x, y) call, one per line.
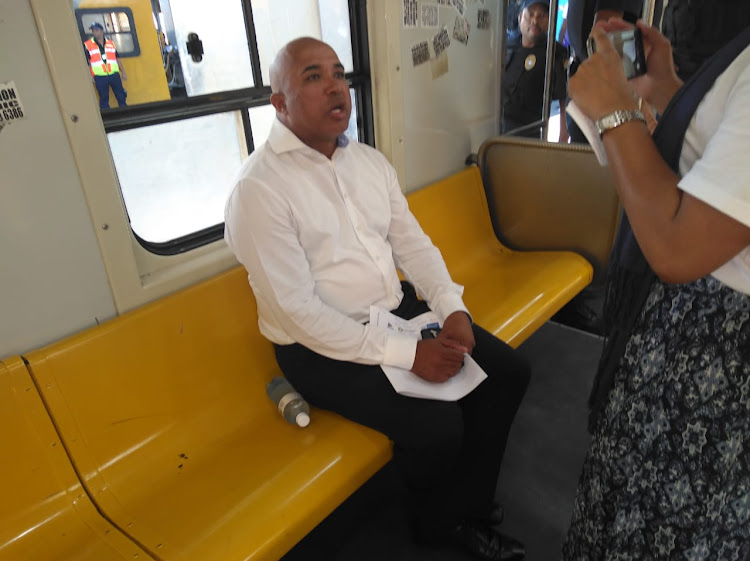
point(656, 87)
point(660, 82)
point(599, 86)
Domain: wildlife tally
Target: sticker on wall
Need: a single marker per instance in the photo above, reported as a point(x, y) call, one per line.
point(461, 29)
point(11, 108)
point(439, 65)
point(483, 19)
point(420, 53)
point(441, 41)
point(411, 13)
point(430, 15)
point(460, 6)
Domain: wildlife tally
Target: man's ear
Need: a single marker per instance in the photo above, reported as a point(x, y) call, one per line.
point(278, 101)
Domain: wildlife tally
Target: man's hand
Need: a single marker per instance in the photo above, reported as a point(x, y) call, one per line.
point(457, 332)
point(437, 362)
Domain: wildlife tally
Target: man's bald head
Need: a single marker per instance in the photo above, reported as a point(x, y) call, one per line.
point(310, 93)
point(283, 63)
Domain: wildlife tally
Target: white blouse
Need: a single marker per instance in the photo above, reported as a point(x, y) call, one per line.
point(715, 159)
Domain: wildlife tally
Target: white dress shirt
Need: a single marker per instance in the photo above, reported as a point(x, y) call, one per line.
point(714, 159)
point(321, 240)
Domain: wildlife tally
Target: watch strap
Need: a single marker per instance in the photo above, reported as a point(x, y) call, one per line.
point(617, 118)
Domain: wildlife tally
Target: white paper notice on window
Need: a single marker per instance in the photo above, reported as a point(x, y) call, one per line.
point(406, 382)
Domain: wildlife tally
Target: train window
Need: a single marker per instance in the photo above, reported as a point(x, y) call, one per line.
point(225, 62)
point(279, 22)
point(198, 101)
point(118, 26)
point(175, 176)
point(191, 197)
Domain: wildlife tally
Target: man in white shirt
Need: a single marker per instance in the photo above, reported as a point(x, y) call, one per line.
point(322, 226)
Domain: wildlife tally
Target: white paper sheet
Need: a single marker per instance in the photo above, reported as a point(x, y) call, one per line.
point(589, 129)
point(406, 382)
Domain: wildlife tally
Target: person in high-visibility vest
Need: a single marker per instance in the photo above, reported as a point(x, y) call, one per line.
point(106, 69)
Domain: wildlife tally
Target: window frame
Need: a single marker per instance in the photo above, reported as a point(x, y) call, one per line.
point(137, 116)
point(86, 35)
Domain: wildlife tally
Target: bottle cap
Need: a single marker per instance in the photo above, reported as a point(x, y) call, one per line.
point(303, 419)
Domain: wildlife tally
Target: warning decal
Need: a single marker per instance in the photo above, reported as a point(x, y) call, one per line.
point(11, 108)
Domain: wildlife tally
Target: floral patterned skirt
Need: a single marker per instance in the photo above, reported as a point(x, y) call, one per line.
point(667, 475)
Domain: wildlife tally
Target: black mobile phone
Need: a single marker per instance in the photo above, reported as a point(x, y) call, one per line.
point(430, 332)
point(629, 44)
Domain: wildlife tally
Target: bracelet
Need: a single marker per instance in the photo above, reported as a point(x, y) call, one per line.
point(617, 118)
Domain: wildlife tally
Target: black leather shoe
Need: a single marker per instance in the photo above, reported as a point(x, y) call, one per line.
point(497, 515)
point(485, 543)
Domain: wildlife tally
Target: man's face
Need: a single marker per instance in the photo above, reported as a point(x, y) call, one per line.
point(534, 22)
point(98, 34)
point(316, 103)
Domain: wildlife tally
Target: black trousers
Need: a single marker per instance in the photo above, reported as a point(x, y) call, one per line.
point(114, 81)
point(449, 453)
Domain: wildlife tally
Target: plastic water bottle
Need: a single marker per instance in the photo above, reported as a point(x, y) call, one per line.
point(292, 405)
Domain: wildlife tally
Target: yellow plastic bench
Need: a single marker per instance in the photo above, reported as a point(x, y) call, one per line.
point(509, 293)
point(164, 413)
point(45, 514)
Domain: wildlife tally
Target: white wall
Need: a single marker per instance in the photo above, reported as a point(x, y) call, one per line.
point(52, 278)
point(428, 122)
point(447, 117)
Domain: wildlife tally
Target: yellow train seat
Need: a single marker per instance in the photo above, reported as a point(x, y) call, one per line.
point(165, 414)
point(509, 293)
point(45, 515)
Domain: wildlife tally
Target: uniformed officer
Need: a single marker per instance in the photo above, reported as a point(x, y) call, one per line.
point(107, 69)
point(523, 82)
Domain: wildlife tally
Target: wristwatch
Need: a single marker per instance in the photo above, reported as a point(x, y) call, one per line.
point(617, 118)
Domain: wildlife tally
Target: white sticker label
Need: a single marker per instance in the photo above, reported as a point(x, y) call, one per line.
point(11, 108)
point(411, 13)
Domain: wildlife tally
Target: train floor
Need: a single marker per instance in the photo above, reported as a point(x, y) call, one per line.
point(538, 479)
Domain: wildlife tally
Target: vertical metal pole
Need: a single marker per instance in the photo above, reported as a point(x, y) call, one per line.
point(549, 65)
point(648, 11)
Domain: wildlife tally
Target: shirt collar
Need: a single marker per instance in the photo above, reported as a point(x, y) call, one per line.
point(281, 139)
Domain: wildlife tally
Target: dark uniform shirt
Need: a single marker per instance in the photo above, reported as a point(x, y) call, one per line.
point(523, 84)
point(513, 34)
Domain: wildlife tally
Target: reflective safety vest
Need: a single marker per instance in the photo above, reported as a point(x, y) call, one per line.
point(102, 66)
